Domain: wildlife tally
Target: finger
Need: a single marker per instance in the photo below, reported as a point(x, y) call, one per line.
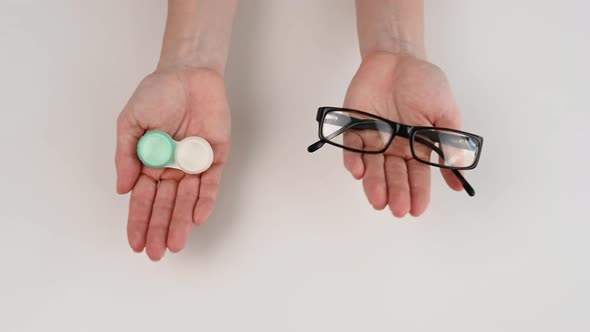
point(452, 181)
point(209, 186)
point(126, 161)
point(160, 220)
point(398, 187)
point(182, 217)
point(374, 180)
point(210, 181)
point(450, 120)
point(419, 176)
point(140, 209)
point(353, 161)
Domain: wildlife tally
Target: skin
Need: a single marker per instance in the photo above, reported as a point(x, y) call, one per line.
point(396, 82)
point(184, 96)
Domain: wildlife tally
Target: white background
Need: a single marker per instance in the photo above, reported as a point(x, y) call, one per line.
point(293, 244)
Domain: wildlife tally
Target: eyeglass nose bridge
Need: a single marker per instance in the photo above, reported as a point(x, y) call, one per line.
point(403, 130)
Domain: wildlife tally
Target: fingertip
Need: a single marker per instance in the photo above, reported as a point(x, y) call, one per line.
point(137, 250)
point(136, 245)
point(455, 185)
point(358, 172)
point(127, 176)
point(126, 181)
point(457, 189)
point(175, 247)
point(377, 198)
point(417, 211)
point(200, 219)
point(354, 164)
point(451, 180)
point(419, 204)
point(203, 210)
point(379, 205)
point(122, 189)
point(155, 253)
point(399, 208)
point(176, 241)
point(136, 241)
point(357, 175)
point(376, 194)
point(398, 213)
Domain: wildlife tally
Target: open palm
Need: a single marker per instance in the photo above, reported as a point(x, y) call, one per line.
point(166, 202)
point(413, 92)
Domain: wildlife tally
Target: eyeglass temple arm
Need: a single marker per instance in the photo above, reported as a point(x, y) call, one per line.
point(468, 188)
point(369, 124)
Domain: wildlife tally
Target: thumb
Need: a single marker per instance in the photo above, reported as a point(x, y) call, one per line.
point(126, 160)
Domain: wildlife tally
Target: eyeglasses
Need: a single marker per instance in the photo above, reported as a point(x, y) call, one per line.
point(367, 133)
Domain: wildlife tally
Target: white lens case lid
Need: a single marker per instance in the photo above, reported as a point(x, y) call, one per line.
point(193, 155)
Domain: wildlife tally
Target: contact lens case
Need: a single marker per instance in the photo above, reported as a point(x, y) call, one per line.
point(192, 155)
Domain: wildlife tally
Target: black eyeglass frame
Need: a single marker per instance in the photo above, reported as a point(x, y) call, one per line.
point(402, 130)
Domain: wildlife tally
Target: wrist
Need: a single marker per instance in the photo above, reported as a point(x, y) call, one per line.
point(395, 45)
point(190, 53)
point(392, 26)
point(197, 34)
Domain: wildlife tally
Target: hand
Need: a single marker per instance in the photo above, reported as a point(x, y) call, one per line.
point(166, 202)
point(409, 91)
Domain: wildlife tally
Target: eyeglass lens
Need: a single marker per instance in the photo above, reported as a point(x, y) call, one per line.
point(445, 148)
point(356, 131)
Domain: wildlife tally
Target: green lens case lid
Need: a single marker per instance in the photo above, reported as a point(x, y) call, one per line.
point(156, 149)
